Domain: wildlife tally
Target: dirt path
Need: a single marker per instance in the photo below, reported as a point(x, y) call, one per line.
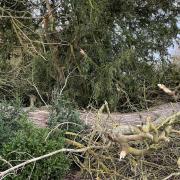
point(40, 116)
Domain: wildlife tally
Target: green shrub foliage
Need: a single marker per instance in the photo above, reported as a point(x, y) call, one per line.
point(9, 122)
point(30, 142)
point(65, 114)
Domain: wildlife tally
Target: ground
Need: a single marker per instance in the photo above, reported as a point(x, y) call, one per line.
point(40, 115)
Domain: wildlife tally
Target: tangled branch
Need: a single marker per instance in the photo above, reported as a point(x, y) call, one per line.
point(4, 173)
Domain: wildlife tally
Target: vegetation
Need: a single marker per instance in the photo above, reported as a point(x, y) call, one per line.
point(65, 116)
point(31, 143)
point(90, 52)
point(9, 123)
point(113, 50)
point(21, 141)
point(129, 152)
point(141, 152)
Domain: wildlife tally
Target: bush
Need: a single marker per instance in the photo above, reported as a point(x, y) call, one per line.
point(30, 142)
point(9, 123)
point(63, 112)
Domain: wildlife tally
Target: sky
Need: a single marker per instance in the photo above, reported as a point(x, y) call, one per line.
point(176, 49)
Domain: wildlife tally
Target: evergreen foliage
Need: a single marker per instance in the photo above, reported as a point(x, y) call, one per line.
point(30, 142)
point(124, 44)
point(65, 116)
point(9, 123)
point(20, 141)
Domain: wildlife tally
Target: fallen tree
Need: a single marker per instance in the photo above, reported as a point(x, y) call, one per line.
point(99, 145)
point(133, 147)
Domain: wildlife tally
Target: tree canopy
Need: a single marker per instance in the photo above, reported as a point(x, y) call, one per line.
point(110, 48)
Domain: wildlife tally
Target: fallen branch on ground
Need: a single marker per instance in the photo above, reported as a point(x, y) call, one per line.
point(4, 173)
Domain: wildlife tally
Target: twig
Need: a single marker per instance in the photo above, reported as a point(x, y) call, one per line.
point(32, 84)
point(5, 161)
point(57, 126)
point(173, 174)
point(4, 173)
point(66, 80)
point(39, 95)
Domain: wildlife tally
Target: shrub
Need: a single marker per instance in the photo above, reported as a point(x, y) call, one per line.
point(30, 142)
point(63, 112)
point(9, 123)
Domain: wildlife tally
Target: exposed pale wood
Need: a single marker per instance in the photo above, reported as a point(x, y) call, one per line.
point(40, 116)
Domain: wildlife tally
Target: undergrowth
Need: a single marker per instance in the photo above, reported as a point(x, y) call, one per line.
point(9, 124)
point(158, 164)
point(21, 140)
point(30, 142)
point(65, 116)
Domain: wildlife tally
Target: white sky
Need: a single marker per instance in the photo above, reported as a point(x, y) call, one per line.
point(176, 49)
